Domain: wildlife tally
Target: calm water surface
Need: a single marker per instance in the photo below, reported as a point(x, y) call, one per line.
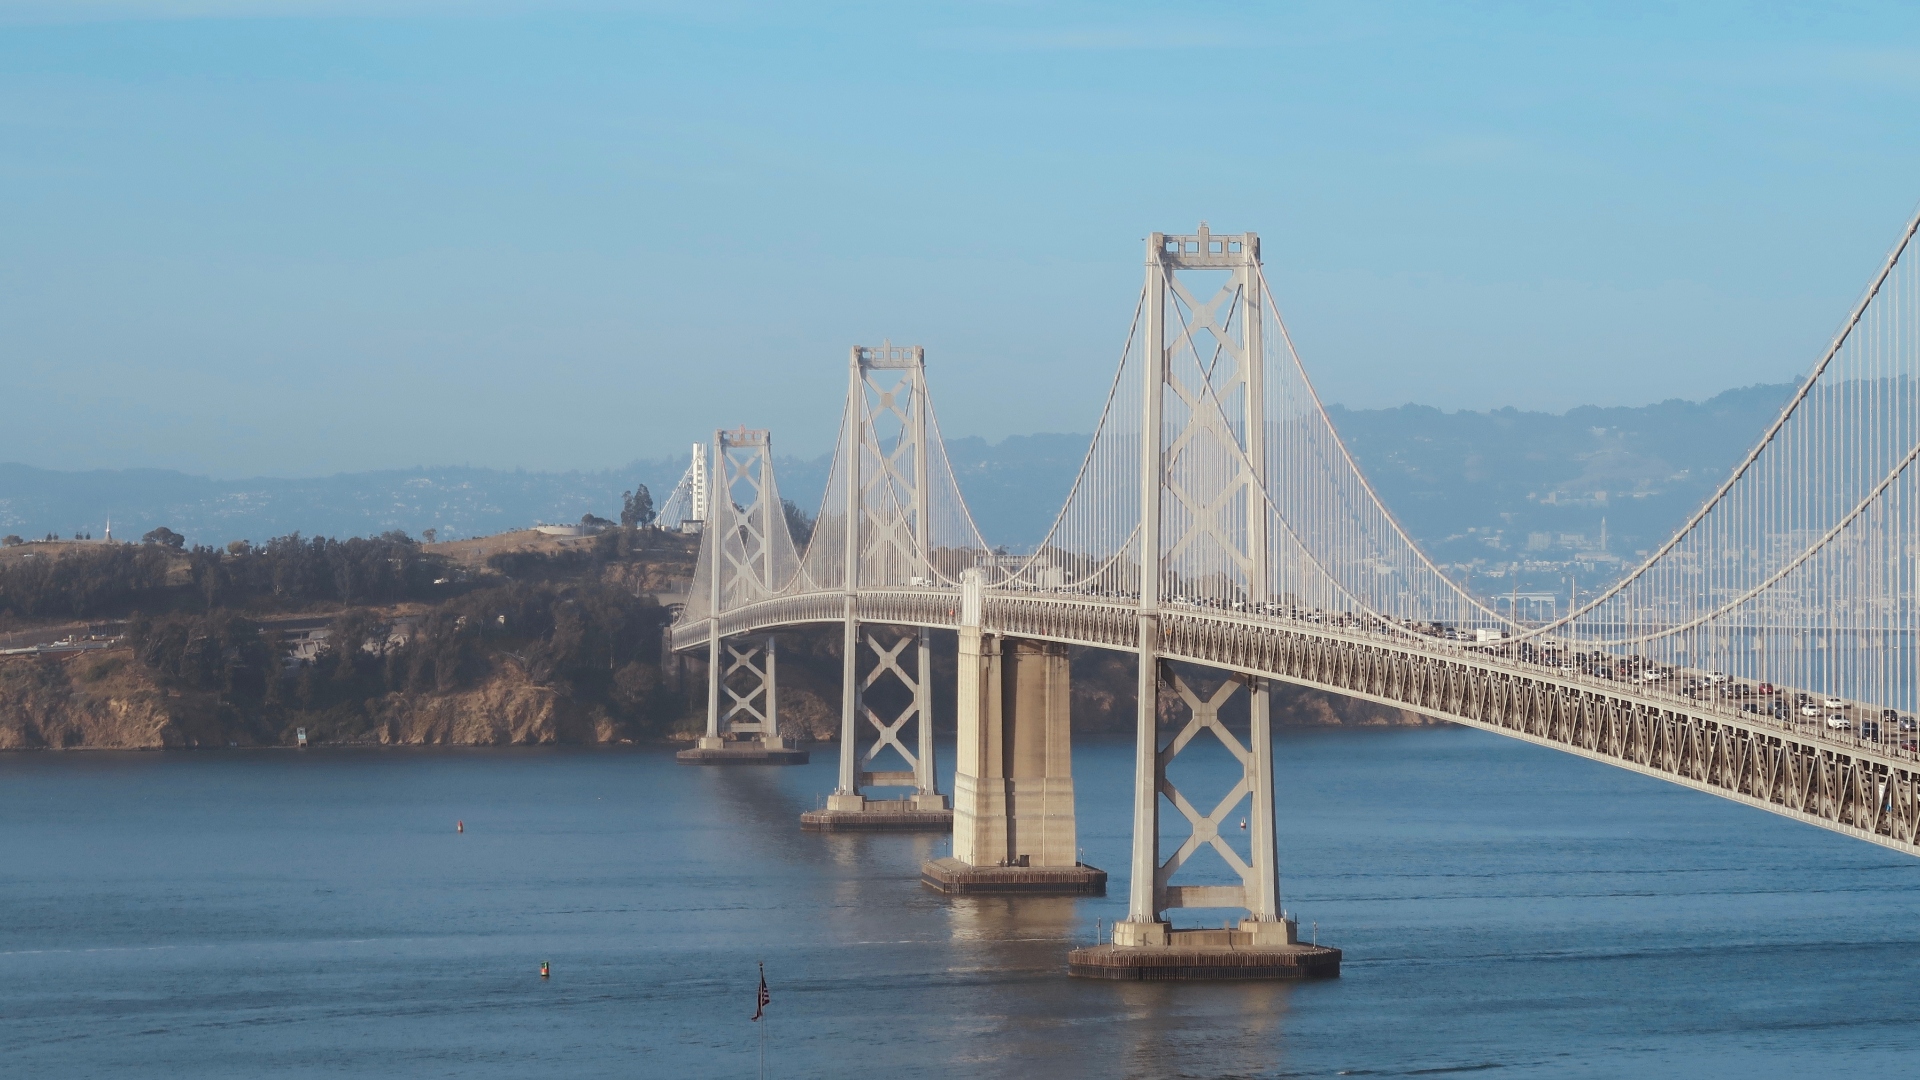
point(1501, 906)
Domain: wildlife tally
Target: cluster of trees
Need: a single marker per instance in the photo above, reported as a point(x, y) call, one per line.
point(591, 641)
point(563, 620)
point(82, 584)
point(218, 652)
point(636, 507)
point(287, 572)
point(292, 571)
point(799, 525)
point(13, 539)
point(596, 645)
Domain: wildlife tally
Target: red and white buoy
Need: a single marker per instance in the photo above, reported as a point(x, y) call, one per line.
point(459, 826)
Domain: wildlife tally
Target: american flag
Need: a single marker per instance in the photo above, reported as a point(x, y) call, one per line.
point(764, 999)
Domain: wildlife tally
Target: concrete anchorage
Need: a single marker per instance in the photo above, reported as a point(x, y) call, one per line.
point(1013, 823)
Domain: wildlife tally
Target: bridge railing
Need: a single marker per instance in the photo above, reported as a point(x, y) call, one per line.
point(1239, 639)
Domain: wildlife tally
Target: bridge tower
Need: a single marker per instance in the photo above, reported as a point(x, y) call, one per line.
point(1202, 489)
point(744, 526)
point(697, 484)
point(887, 538)
point(685, 507)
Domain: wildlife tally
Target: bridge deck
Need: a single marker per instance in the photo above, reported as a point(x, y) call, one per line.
point(1835, 779)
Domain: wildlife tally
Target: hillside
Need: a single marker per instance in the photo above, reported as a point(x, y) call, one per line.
point(510, 639)
point(369, 640)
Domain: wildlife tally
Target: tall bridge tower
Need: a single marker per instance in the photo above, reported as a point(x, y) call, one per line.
point(1203, 489)
point(886, 543)
point(747, 556)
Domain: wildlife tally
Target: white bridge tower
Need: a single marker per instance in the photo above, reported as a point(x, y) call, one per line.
point(886, 546)
point(1202, 488)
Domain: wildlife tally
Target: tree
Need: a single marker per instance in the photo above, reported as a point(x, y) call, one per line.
point(165, 537)
point(591, 521)
point(636, 509)
point(799, 525)
point(11, 541)
point(428, 535)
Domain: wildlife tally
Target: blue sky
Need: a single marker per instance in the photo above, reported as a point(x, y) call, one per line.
point(296, 238)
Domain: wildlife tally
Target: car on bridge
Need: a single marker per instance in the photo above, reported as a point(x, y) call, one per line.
point(1870, 729)
point(1838, 722)
point(1836, 703)
point(1808, 708)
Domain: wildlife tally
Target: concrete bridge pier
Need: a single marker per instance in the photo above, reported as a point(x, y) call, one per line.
point(1264, 943)
point(747, 732)
point(1014, 829)
point(850, 807)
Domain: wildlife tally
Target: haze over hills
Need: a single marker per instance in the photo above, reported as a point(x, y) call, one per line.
point(1491, 493)
point(1467, 482)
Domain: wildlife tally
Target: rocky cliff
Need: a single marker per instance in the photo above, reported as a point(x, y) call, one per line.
point(100, 701)
point(109, 701)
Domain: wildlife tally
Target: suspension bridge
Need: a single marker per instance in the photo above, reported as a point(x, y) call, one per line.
point(1219, 530)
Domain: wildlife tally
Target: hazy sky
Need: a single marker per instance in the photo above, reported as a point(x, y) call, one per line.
point(302, 237)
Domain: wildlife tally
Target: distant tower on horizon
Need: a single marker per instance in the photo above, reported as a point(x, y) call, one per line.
point(109, 538)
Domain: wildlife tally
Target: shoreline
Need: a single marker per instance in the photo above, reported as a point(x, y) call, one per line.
point(648, 745)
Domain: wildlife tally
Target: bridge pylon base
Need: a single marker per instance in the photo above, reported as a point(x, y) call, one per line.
point(1253, 950)
point(857, 813)
point(711, 751)
point(951, 877)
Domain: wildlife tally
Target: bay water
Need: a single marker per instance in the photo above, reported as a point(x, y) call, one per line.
point(1502, 907)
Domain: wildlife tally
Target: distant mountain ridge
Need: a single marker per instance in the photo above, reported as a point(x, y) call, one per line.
point(1467, 484)
point(1475, 488)
point(457, 501)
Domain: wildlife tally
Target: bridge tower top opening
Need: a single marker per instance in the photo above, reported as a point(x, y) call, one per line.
point(1203, 249)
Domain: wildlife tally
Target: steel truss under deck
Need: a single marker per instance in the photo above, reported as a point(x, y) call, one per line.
point(1800, 774)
